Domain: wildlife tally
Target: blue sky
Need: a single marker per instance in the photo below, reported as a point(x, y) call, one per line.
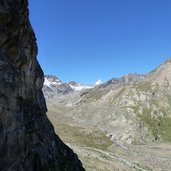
point(87, 40)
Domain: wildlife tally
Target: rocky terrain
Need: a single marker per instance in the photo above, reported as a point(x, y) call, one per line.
point(27, 138)
point(126, 79)
point(54, 86)
point(123, 124)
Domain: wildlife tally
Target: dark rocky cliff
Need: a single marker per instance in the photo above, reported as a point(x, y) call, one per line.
point(27, 138)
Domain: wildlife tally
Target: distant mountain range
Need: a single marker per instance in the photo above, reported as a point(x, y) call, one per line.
point(53, 85)
point(129, 116)
point(133, 108)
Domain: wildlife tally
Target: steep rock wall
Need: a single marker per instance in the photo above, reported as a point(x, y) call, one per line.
point(27, 138)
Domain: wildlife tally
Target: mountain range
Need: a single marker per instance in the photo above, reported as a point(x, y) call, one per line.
point(139, 101)
point(132, 110)
point(53, 85)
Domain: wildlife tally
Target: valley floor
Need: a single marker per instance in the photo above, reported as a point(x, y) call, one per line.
point(98, 153)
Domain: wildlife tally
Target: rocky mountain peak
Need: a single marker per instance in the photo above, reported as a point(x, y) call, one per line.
point(53, 85)
point(126, 79)
point(162, 75)
point(27, 138)
point(73, 83)
point(53, 78)
point(130, 78)
point(168, 60)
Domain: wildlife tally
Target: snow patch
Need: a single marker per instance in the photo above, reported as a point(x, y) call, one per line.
point(98, 82)
point(58, 82)
point(80, 87)
point(47, 82)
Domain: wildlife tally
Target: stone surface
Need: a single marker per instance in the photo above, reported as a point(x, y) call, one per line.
point(27, 138)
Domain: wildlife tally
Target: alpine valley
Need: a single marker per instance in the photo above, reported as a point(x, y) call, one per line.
point(123, 124)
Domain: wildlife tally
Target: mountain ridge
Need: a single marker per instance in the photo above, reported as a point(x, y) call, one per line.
point(133, 96)
point(53, 84)
point(129, 118)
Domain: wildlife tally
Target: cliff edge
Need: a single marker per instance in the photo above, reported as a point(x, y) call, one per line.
point(27, 138)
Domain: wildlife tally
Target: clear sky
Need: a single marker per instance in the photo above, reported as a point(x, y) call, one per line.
point(87, 40)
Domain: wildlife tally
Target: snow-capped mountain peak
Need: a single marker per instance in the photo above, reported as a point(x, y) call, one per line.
point(47, 82)
point(98, 82)
point(51, 80)
point(53, 85)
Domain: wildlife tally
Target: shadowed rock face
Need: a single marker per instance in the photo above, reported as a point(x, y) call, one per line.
point(27, 138)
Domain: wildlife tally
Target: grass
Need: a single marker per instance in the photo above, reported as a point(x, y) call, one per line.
point(79, 135)
point(166, 128)
point(159, 127)
point(93, 96)
point(82, 136)
point(118, 95)
point(143, 86)
point(150, 123)
point(143, 167)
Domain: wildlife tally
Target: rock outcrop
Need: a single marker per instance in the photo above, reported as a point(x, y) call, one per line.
point(27, 138)
point(126, 79)
point(54, 86)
